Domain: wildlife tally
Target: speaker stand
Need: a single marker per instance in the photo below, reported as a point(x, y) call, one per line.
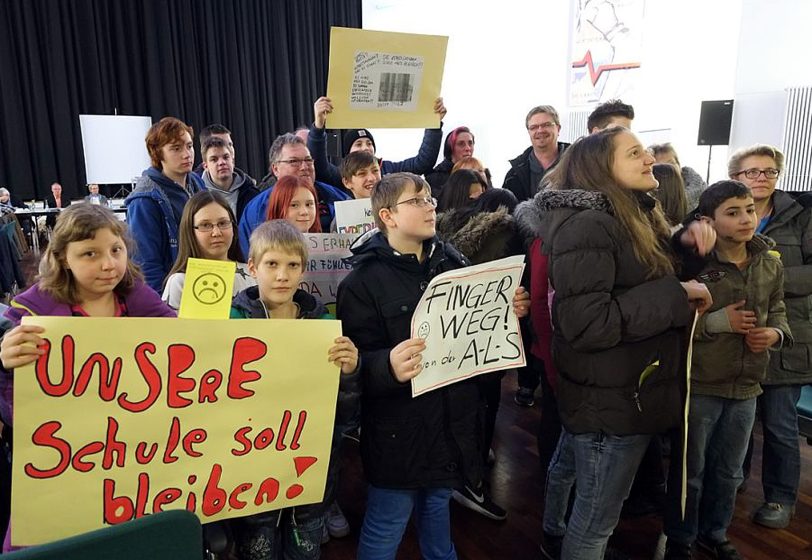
point(707, 173)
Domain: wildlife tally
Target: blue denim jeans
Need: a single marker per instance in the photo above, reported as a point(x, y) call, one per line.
point(557, 490)
point(718, 432)
point(781, 456)
point(605, 466)
point(388, 512)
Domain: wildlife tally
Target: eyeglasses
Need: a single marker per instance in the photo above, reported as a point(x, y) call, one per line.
point(769, 173)
point(208, 227)
point(419, 201)
point(535, 127)
point(297, 162)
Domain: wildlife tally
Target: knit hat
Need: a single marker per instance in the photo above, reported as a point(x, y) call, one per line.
point(352, 135)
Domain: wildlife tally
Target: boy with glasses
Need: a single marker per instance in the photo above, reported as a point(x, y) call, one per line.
point(414, 450)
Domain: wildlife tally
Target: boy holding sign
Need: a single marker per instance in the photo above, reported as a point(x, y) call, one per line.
point(277, 259)
point(414, 450)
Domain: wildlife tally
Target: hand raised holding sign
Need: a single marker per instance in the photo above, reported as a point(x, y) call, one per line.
point(321, 108)
point(21, 346)
point(439, 107)
point(344, 354)
point(406, 359)
point(521, 302)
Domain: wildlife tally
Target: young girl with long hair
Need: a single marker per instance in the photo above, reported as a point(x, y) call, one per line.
point(86, 271)
point(207, 231)
point(620, 319)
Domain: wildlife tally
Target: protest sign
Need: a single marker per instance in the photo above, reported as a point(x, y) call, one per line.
point(354, 217)
point(466, 318)
point(383, 79)
point(223, 418)
point(325, 267)
point(207, 289)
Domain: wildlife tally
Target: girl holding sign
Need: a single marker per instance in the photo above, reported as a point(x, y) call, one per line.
point(621, 319)
point(85, 272)
point(207, 231)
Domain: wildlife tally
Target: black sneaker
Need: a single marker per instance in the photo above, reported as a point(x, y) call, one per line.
point(722, 550)
point(677, 551)
point(524, 397)
point(551, 546)
point(479, 502)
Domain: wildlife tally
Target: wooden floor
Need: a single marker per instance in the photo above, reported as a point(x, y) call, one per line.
point(517, 486)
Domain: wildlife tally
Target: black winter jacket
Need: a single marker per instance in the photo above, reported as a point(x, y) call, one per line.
point(438, 177)
point(430, 441)
point(611, 322)
point(484, 237)
point(517, 179)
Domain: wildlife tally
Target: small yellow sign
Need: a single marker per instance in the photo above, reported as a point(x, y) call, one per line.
point(207, 290)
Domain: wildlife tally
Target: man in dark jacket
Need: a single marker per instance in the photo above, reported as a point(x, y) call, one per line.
point(528, 168)
point(220, 175)
point(361, 139)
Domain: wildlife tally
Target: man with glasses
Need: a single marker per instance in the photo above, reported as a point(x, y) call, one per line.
point(527, 169)
point(220, 175)
point(289, 156)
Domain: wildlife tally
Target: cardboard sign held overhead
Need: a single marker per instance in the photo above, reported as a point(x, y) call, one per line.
point(466, 318)
point(384, 80)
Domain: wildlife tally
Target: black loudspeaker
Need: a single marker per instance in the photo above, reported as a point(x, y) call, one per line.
point(714, 123)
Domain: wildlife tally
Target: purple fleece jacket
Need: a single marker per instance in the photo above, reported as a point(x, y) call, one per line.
point(141, 301)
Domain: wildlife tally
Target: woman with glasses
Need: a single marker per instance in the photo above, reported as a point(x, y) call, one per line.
point(207, 231)
point(788, 222)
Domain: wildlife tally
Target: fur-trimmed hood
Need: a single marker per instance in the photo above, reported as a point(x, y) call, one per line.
point(530, 215)
point(479, 231)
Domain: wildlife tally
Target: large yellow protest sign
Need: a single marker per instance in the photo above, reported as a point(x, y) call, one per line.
point(380, 79)
point(126, 417)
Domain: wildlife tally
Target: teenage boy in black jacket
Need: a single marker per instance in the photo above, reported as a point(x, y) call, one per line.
point(414, 450)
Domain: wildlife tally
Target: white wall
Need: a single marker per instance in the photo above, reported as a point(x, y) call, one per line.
point(505, 57)
point(773, 55)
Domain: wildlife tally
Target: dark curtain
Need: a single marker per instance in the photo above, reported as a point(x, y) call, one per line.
point(255, 66)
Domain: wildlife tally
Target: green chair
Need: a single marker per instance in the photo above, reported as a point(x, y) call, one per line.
point(169, 535)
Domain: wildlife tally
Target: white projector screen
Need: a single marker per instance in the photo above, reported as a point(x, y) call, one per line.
point(115, 151)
